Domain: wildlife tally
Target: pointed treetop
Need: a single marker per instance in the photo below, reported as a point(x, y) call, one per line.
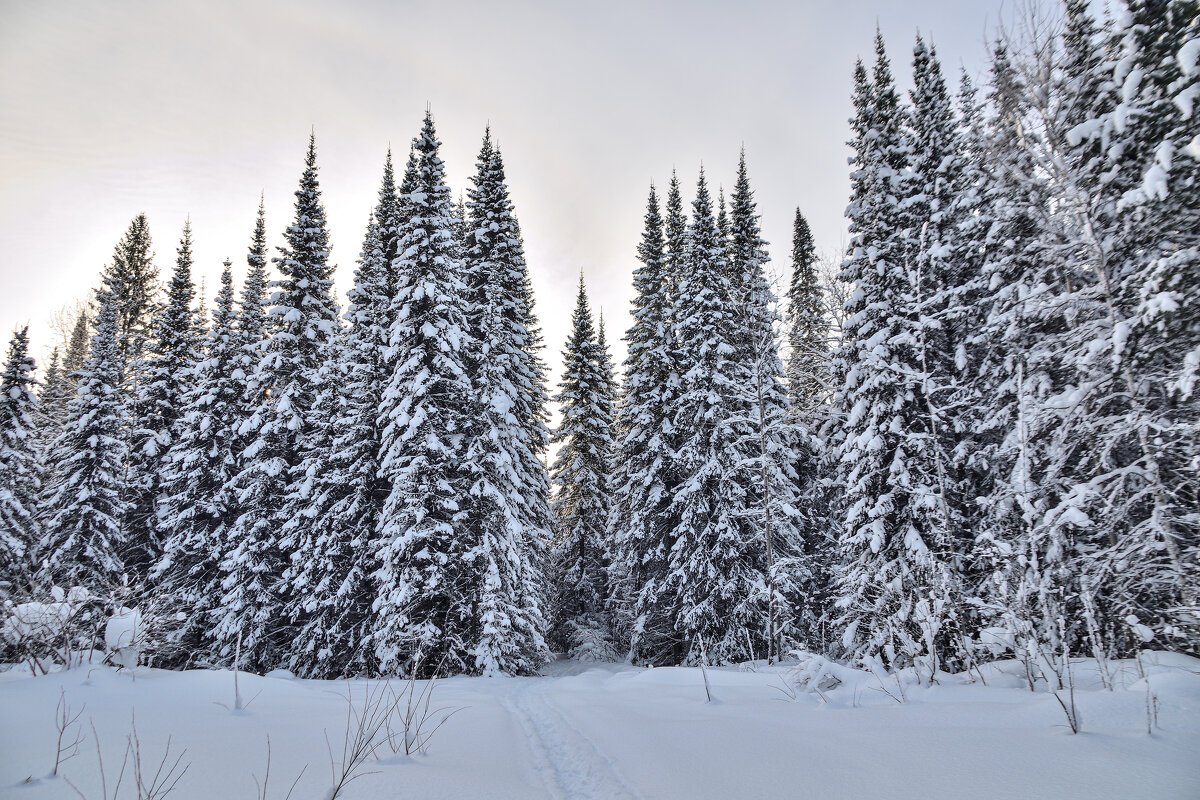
point(223, 314)
point(675, 224)
point(180, 290)
point(651, 246)
point(702, 205)
point(389, 175)
point(804, 250)
point(885, 90)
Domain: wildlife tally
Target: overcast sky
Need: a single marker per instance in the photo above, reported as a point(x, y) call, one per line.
point(192, 109)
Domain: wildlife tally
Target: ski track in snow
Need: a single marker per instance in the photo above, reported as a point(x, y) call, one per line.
point(568, 762)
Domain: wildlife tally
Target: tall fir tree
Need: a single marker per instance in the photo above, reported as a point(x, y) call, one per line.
point(253, 327)
point(943, 285)
point(303, 320)
point(331, 572)
point(173, 348)
point(807, 330)
point(20, 479)
point(1147, 505)
point(77, 346)
point(59, 387)
point(723, 217)
point(810, 389)
point(607, 367)
point(580, 476)
point(506, 514)
point(1024, 549)
point(132, 279)
point(641, 530)
point(52, 404)
point(898, 587)
point(768, 466)
point(425, 614)
point(82, 537)
point(717, 571)
point(197, 510)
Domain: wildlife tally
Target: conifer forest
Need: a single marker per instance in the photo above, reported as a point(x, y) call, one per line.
point(976, 436)
point(936, 489)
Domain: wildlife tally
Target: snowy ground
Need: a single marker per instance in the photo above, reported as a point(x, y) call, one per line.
point(611, 731)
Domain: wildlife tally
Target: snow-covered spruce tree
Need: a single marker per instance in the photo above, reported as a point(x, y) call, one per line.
point(768, 466)
point(613, 391)
point(807, 331)
point(810, 390)
point(253, 327)
point(331, 567)
point(196, 507)
point(717, 566)
point(59, 385)
point(505, 513)
point(943, 279)
point(425, 614)
point(52, 401)
point(77, 347)
point(132, 279)
point(579, 476)
point(675, 231)
point(898, 586)
point(640, 530)
point(723, 217)
point(20, 480)
point(164, 372)
point(82, 537)
point(52, 404)
point(969, 224)
point(843, 356)
point(288, 377)
point(608, 371)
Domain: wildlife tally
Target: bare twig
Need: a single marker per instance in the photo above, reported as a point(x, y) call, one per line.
point(704, 670)
point(359, 741)
point(1070, 709)
point(153, 787)
point(261, 789)
point(412, 714)
point(64, 720)
point(166, 775)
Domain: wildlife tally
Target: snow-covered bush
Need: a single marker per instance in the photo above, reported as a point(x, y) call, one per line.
point(56, 633)
point(814, 673)
point(125, 637)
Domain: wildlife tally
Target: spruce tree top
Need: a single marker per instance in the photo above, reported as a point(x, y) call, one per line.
point(304, 302)
point(252, 319)
point(747, 248)
point(174, 327)
point(17, 400)
point(675, 227)
point(132, 279)
point(433, 221)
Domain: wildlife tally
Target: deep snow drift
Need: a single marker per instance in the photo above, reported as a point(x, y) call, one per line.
point(611, 731)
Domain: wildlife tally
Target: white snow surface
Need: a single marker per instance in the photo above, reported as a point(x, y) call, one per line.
point(614, 731)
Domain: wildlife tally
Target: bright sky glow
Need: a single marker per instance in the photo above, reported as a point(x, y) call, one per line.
point(178, 109)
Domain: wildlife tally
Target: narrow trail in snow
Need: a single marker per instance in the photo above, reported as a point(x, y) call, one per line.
point(568, 762)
